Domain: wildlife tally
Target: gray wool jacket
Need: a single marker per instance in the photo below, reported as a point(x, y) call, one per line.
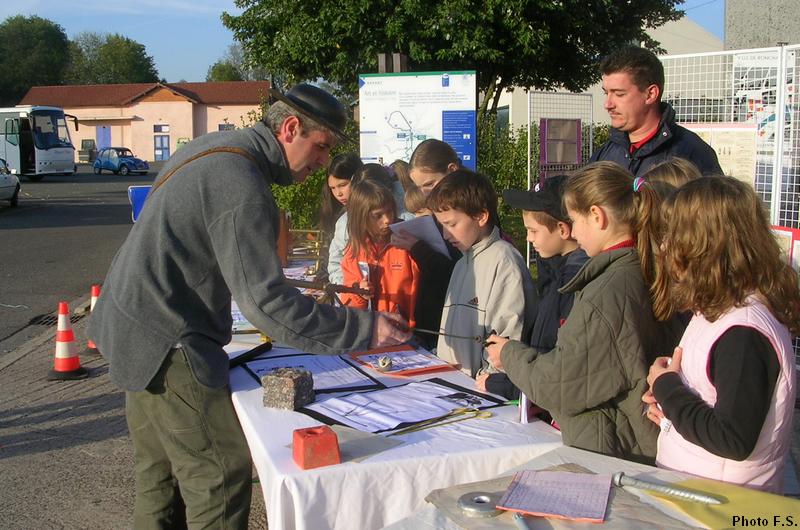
point(208, 233)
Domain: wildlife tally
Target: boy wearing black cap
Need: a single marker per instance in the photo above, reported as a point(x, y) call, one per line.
point(549, 230)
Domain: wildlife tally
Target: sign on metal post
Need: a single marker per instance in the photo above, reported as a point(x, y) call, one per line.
point(399, 111)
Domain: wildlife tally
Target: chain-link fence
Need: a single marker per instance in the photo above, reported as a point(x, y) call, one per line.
point(745, 104)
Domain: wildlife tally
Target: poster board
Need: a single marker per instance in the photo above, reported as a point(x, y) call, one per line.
point(735, 145)
point(398, 111)
point(789, 241)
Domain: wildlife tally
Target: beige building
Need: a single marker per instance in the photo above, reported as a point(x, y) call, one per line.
point(761, 24)
point(676, 37)
point(152, 119)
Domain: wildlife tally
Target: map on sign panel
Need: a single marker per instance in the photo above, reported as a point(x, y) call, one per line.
point(399, 111)
point(408, 134)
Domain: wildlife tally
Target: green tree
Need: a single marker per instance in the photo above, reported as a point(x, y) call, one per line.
point(235, 59)
point(537, 44)
point(122, 60)
point(223, 71)
point(109, 59)
point(83, 58)
point(33, 52)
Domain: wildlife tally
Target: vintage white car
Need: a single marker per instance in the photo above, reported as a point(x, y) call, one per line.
point(9, 185)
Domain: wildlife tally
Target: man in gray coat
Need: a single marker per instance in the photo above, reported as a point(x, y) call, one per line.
point(208, 232)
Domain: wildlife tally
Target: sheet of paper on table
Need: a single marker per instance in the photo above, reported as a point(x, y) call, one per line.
point(746, 503)
point(240, 323)
point(423, 228)
point(383, 410)
point(559, 494)
point(297, 272)
point(331, 373)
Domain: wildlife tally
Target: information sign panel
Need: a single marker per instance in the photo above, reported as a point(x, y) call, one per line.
point(399, 111)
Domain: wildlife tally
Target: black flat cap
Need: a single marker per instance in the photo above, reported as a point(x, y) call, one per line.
point(546, 197)
point(317, 104)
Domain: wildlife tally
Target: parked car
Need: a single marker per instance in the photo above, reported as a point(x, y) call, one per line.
point(119, 160)
point(9, 185)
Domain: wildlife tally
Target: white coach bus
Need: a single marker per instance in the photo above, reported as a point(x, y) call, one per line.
point(36, 142)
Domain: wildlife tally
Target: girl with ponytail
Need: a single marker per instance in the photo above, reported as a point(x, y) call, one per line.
point(593, 381)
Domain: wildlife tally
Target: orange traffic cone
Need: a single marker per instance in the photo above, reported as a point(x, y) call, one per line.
point(67, 364)
point(91, 347)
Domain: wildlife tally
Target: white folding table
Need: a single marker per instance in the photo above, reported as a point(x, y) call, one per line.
point(385, 487)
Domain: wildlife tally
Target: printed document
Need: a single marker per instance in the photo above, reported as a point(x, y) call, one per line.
point(559, 494)
point(405, 360)
point(423, 228)
point(330, 372)
point(382, 410)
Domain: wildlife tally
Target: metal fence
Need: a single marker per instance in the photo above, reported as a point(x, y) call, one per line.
point(558, 105)
point(745, 104)
point(742, 102)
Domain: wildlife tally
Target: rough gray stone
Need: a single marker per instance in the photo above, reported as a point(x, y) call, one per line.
point(288, 388)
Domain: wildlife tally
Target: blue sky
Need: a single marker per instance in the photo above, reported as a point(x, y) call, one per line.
point(185, 37)
point(708, 13)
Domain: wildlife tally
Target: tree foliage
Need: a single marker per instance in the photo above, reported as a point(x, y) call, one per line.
point(235, 66)
point(223, 71)
point(109, 59)
point(33, 51)
point(538, 44)
point(83, 51)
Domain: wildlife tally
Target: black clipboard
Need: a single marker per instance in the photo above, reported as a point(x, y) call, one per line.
point(249, 355)
point(374, 385)
point(436, 380)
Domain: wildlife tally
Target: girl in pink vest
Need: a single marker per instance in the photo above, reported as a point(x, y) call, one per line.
point(725, 400)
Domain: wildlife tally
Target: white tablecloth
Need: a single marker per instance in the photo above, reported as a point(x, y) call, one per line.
point(385, 487)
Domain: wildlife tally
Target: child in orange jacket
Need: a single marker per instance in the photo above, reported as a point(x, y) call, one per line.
point(370, 261)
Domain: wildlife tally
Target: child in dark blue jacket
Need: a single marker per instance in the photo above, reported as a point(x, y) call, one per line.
point(550, 232)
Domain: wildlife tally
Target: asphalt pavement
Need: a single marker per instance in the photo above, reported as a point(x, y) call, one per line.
point(65, 454)
point(57, 243)
point(65, 457)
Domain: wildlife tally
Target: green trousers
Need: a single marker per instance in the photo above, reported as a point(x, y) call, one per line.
point(188, 449)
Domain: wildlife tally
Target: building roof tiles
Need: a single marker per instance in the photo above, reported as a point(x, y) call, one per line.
point(121, 95)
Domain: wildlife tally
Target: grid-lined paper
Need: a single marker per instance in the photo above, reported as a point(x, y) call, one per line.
point(561, 494)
